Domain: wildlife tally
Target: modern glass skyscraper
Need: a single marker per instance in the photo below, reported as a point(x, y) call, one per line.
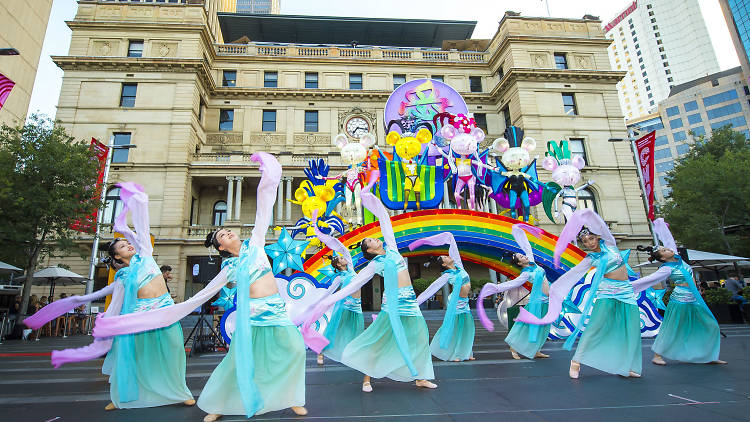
point(737, 15)
point(258, 6)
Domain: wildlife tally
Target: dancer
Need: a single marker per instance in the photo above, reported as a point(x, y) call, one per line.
point(454, 340)
point(612, 339)
point(396, 344)
point(524, 339)
point(689, 331)
point(264, 369)
point(346, 321)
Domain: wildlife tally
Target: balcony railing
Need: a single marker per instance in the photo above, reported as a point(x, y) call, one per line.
point(364, 53)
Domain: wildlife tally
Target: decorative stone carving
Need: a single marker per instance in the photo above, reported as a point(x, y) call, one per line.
point(311, 139)
point(109, 11)
point(583, 61)
point(164, 48)
point(555, 26)
point(141, 12)
point(539, 60)
point(532, 26)
point(224, 139)
point(268, 139)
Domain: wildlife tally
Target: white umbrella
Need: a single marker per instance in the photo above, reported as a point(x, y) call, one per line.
point(7, 268)
point(57, 276)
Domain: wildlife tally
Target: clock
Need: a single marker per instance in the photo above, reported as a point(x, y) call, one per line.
point(357, 126)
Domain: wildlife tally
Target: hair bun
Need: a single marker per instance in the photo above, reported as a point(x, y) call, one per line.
point(209, 238)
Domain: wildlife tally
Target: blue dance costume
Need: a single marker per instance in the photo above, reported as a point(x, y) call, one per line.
point(528, 339)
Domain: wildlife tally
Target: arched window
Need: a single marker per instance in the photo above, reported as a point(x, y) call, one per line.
point(586, 200)
point(220, 213)
point(112, 205)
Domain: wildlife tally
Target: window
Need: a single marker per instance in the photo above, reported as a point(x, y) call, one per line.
point(112, 205)
point(651, 13)
point(398, 80)
point(135, 48)
point(640, 59)
point(665, 64)
point(576, 147)
point(475, 83)
point(586, 200)
point(127, 95)
point(226, 119)
point(638, 52)
point(724, 111)
point(643, 74)
point(661, 49)
point(664, 167)
point(663, 153)
point(643, 67)
point(734, 122)
point(506, 116)
point(663, 180)
point(675, 123)
point(270, 79)
point(501, 72)
point(355, 81)
point(229, 78)
point(656, 34)
point(682, 149)
point(673, 111)
point(658, 42)
point(655, 27)
point(311, 80)
point(440, 77)
point(201, 107)
point(569, 104)
point(668, 72)
point(679, 136)
point(651, 102)
point(714, 82)
point(561, 61)
point(311, 121)
point(691, 105)
point(720, 98)
point(670, 80)
point(269, 121)
point(220, 213)
point(632, 32)
point(637, 46)
point(747, 91)
point(120, 155)
point(661, 140)
point(648, 6)
point(481, 121)
point(653, 20)
point(650, 95)
point(694, 118)
point(698, 131)
point(648, 88)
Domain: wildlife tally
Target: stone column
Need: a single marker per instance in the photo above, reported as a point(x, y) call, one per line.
point(493, 205)
point(288, 211)
point(279, 204)
point(446, 196)
point(493, 276)
point(238, 202)
point(230, 196)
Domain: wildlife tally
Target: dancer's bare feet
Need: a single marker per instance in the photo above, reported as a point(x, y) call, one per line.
point(719, 362)
point(299, 410)
point(472, 358)
point(110, 406)
point(658, 360)
point(634, 375)
point(541, 355)
point(190, 402)
point(320, 359)
point(575, 369)
point(456, 360)
point(515, 354)
point(211, 418)
point(426, 384)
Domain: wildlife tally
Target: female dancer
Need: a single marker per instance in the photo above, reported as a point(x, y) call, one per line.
point(264, 369)
point(524, 339)
point(396, 344)
point(612, 339)
point(455, 338)
point(689, 331)
point(346, 319)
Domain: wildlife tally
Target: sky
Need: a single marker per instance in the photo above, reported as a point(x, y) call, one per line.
point(487, 13)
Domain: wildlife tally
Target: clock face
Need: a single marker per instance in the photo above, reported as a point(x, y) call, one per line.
point(357, 126)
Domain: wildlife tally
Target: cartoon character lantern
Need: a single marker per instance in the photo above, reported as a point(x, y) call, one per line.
point(354, 155)
point(408, 147)
point(566, 173)
point(517, 177)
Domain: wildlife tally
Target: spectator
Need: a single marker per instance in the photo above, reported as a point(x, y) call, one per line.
point(166, 272)
point(33, 305)
point(735, 287)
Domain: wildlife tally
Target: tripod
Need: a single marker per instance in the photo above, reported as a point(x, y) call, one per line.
point(207, 342)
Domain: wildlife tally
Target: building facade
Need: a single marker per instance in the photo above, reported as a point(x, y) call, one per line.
point(658, 48)
point(154, 75)
point(737, 15)
point(23, 29)
point(693, 110)
point(251, 6)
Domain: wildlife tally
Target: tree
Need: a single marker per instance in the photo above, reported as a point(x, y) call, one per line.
point(710, 192)
point(48, 181)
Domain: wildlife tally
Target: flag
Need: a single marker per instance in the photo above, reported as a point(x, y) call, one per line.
point(645, 148)
point(5, 86)
point(88, 224)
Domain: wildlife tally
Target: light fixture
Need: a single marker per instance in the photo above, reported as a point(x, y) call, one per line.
point(9, 52)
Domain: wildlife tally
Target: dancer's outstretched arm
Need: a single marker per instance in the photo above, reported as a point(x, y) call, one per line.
point(580, 218)
point(557, 294)
point(445, 238)
point(270, 170)
point(373, 204)
point(644, 283)
point(490, 289)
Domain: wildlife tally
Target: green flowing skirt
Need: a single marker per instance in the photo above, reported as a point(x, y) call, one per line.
point(518, 337)
point(160, 365)
point(351, 324)
point(461, 342)
point(279, 355)
point(688, 333)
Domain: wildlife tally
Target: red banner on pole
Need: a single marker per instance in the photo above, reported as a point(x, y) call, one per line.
point(645, 148)
point(88, 224)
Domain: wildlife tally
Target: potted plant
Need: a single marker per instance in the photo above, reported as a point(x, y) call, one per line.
point(476, 286)
point(419, 286)
point(718, 301)
point(746, 307)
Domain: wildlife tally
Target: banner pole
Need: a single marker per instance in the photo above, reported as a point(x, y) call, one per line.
point(644, 194)
point(95, 245)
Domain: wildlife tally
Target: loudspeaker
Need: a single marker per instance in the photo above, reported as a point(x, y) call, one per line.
point(209, 267)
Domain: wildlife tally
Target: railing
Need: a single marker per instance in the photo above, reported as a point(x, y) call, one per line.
point(434, 56)
point(186, 2)
point(355, 52)
point(397, 54)
point(272, 51)
point(312, 51)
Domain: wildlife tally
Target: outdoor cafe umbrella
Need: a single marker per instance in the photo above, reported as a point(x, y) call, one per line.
point(7, 268)
point(57, 276)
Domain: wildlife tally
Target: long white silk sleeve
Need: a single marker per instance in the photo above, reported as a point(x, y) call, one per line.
point(644, 283)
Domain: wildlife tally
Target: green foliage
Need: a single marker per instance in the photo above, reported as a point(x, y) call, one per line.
point(746, 292)
point(477, 285)
point(717, 296)
point(710, 192)
point(48, 181)
point(420, 285)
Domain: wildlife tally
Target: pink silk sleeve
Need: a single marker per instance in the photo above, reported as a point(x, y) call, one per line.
point(158, 318)
point(445, 238)
point(373, 204)
point(490, 289)
point(332, 243)
point(62, 306)
point(661, 228)
point(557, 294)
point(266, 197)
point(135, 200)
point(302, 317)
point(580, 218)
point(519, 234)
point(433, 288)
point(644, 283)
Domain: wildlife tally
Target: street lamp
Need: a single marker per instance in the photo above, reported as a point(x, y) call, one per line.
point(95, 246)
point(9, 52)
point(632, 139)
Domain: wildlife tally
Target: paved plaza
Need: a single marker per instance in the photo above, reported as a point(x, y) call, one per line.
point(492, 388)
